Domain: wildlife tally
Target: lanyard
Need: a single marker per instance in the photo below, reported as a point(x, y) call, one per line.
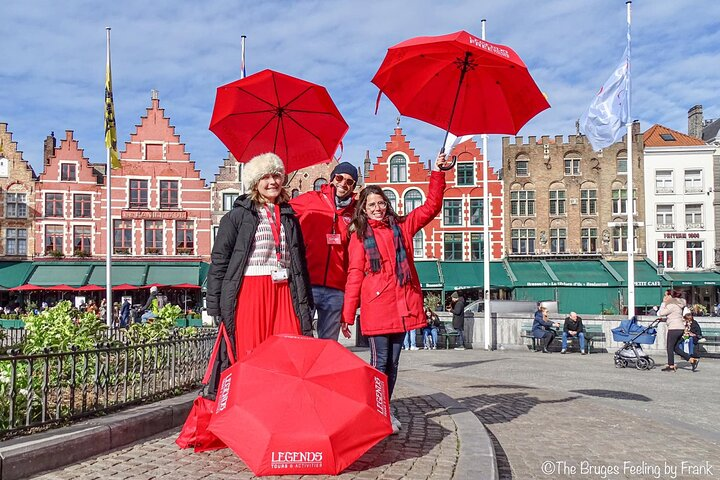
point(334, 209)
point(275, 227)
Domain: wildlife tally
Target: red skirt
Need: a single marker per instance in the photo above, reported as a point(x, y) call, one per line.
point(263, 308)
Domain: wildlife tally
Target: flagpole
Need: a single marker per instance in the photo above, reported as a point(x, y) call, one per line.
point(630, 190)
point(108, 211)
point(486, 232)
point(242, 56)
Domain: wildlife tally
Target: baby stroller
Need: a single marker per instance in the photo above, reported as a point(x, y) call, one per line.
point(633, 336)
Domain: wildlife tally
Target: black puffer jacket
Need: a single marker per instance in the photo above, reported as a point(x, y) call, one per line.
point(230, 254)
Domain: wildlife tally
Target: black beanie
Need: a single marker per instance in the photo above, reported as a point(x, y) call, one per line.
point(347, 168)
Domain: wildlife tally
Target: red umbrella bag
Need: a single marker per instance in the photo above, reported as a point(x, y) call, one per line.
point(194, 433)
point(300, 405)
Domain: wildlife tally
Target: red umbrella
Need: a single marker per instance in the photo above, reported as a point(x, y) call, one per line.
point(187, 286)
point(26, 287)
point(61, 287)
point(299, 405)
point(460, 83)
point(154, 285)
point(125, 286)
point(90, 288)
point(274, 112)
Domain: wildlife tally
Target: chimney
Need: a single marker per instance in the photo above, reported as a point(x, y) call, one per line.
point(49, 147)
point(695, 121)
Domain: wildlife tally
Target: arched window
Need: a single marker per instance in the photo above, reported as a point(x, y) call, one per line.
point(622, 165)
point(572, 165)
point(392, 198)
point(398, 169)
point(295, 193)
point(419, 244)
point(522, 165)
point(319, 183)
point(413, 199)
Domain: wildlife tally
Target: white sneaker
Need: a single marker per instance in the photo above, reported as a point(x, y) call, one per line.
point(459, 348)
point(414, 348)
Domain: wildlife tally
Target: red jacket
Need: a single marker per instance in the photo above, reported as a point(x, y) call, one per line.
point(385, 306)
point(318, 217)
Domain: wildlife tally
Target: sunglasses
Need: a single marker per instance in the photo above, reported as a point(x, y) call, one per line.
point(348, 181)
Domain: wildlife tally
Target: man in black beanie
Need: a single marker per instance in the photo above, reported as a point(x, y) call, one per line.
point(324, 218)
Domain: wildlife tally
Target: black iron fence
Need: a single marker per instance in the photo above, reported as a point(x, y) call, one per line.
point(38, 390)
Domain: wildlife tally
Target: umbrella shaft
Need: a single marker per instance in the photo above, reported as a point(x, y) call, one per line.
point(465, 65)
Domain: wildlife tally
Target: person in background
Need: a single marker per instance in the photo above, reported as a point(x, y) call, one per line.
point(542, 329)
point(258, 282)
point(382, 276)
point(573, 327)
point(410, 340)
point(672, 309)
point(124, 313)
point(147, 308)
point(324, 217)
point(457, 308)
point(430, 331)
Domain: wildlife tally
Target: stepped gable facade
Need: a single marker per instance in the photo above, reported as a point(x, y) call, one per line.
point(17, 190)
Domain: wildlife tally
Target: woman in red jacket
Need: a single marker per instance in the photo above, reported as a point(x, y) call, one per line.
point(381, 272)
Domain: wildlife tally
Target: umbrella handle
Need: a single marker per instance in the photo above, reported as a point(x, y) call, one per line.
point(454, 159)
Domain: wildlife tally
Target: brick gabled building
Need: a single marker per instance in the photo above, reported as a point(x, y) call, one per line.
point(456, 234)
point(68, 200)
point(17, 186)
point(160, 205)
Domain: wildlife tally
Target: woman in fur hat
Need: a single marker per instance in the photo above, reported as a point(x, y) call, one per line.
point(258, 282)
point(381, 273)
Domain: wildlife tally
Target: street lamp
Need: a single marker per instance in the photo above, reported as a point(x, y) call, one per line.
point(660, 269)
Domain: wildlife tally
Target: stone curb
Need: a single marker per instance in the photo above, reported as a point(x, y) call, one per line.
point(476, 456)
point(25, 456)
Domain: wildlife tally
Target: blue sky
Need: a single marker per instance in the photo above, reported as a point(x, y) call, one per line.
point(52, 75)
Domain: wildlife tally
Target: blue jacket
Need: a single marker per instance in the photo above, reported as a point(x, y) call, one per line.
point(540, 326)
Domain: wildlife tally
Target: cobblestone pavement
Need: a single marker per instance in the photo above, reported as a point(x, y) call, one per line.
point(549, 416)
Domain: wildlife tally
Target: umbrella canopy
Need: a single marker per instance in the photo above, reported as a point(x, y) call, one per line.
point(159, 285)
point(90, 288)
point(299, 405)
point(274, 112)
point(125, 286)
point(187, 286)
point(25, 287)
point(61, 287)
point(460, 83)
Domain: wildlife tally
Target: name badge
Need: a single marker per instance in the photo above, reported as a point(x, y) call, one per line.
point(333, 239)
point(280, 275)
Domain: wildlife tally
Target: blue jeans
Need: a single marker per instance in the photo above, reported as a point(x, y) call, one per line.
point(147, 316)
point(410, 339)
point(328, 305)
point(430, 332)
point(580, 335)
point(385, 356)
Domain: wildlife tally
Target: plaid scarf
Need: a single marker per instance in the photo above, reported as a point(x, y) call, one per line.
point(402, 266)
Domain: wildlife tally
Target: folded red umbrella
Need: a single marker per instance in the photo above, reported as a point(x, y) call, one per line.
point(299, 405)
point(273, 112)
point(460, 83)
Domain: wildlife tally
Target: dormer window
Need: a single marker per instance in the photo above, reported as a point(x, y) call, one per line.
point(68, 172)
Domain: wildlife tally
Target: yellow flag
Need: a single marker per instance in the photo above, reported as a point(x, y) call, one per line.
point(110, 131)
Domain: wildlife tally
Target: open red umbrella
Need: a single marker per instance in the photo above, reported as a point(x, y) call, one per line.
point(186, 286)
point(90, 288)
point(26, 287)
point(61, 287)
point(125, 286)
point(299, 405)
point(273, 112)
point(460, 83)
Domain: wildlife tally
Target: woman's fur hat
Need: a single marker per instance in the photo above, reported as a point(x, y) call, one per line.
point(259, 166)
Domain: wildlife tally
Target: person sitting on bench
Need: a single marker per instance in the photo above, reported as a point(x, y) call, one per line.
point(542, 329)
point(573, 328)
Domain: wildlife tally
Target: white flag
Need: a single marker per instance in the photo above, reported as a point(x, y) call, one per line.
point(608, 113)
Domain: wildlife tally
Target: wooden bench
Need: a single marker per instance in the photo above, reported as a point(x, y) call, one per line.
point(593, 333)
point(446, 331)
point(711, 336)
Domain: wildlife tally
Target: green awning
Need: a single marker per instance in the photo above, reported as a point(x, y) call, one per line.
point(174, 274)
point(429, 274)
point(133, 274)
point(462, 275)
point(13, 274)
point(695, 279)
point(590, 273)
point(645, 274)
point(204, 269)
point(531, 274)
point(48, 274)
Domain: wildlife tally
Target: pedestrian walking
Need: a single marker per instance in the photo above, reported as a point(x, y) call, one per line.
point(457, 308)
point(124, 313)
point(258, 282)
point(672, 309)
point(324, 217)
point(381, 274)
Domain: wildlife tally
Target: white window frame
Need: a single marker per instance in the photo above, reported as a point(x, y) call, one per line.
point(664, 181)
